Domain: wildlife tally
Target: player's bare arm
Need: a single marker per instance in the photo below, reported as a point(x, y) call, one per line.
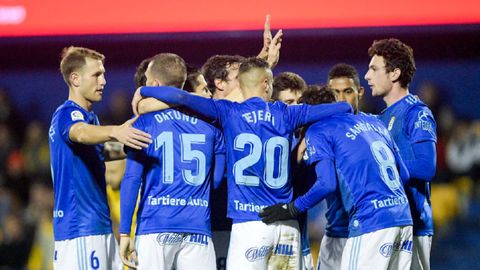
point(92, 134)
point(267, 38)
point(141, 105)
point(271, 46)
point(127, 252)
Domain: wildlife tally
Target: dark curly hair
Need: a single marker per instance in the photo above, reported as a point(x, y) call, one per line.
point(317, 94)
point(139, 78)
point(288, 80)
point(397, 55)
point(191, 83)
point(216, 68)
point(344, 70)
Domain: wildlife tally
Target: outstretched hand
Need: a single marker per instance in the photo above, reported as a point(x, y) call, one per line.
point(273, 54)
point(280, 211)
point(130, 136)
point(267, 39)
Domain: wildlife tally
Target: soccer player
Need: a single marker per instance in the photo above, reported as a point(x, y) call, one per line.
point(221, 71)
point(257, 137)
point(287, 88)
point(413, 128)
point(355, 154)
point(175, 173)
point(344, 81)
point(196, 82)
point(81, 219)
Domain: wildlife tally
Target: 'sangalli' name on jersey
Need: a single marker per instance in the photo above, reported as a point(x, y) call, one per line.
point(364, 127)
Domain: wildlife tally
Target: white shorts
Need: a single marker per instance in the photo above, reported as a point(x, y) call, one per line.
point(389, 248)
point(86, 253)
point(421, 252)
point(175, 251)
point(307, 262)
point(330, 254)
point(257, 246)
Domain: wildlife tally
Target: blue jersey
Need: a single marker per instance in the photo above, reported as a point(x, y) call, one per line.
point(258, 136)
point(337, 218)
point(78, 173)
point(175, 172)
point(363, 154)
point(410, 121)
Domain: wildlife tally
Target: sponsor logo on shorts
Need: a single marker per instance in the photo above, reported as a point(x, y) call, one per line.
point(257, 253)
point(199, 239)
point(284, 250)
point(388, 248)
point(169, 238)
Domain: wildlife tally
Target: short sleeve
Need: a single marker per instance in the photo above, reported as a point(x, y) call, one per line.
point(420, 125)
point(69, 116)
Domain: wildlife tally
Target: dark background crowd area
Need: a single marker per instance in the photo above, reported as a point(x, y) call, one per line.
point(31, 87)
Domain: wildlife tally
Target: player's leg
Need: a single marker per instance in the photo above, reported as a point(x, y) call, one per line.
point(307, 261)
point(157, 250)
point(250, 246)
point(66, 255)
point(88, 252)
point(286, 246)
point(330, 254)
point(374, 250)
point(112, 253)
point(197, 252)
point(401, 257)
point(421, 252)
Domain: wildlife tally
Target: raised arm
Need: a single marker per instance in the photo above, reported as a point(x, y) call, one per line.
point(271, 46)
point(171, 95)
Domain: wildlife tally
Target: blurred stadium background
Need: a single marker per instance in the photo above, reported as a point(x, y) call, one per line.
point(445, 37)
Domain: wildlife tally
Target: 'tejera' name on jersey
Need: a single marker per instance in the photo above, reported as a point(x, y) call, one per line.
point(170, 115)
point(260, 115)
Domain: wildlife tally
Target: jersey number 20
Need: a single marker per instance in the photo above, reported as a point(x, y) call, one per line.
point(268, 149)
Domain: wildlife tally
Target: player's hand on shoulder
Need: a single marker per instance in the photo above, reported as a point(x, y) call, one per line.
point(130, 136)
point(137, 97)
point(280, 211)
point(127, 252)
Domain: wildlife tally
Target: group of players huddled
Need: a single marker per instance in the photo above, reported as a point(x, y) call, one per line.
point(282, 146)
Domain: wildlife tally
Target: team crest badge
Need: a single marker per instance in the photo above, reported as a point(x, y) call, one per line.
point(390, 124)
